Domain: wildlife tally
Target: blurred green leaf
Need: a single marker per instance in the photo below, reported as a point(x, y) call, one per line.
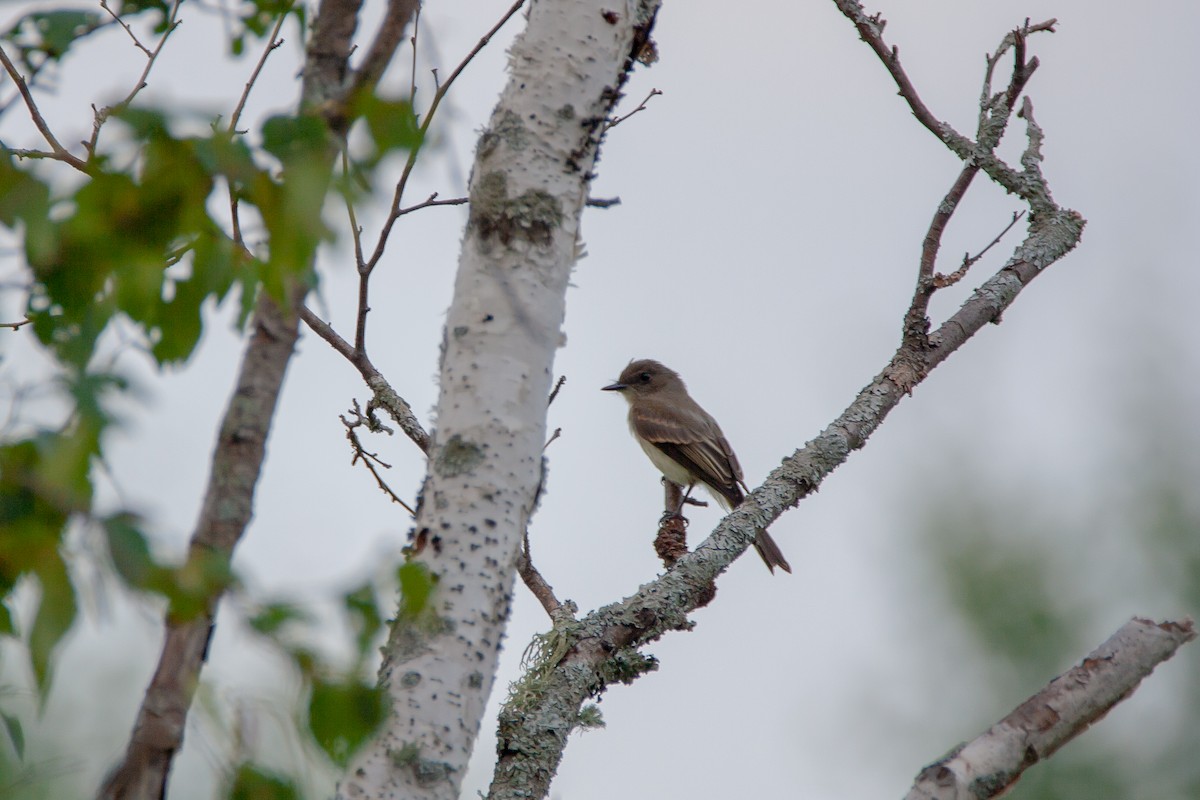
point(391, 123)
point(364, 616)
point(416, 585)
point(47, 35)
point(55, 615)
point(252, 783)
point(16, 733)
point(343, 715)
point(271, 618)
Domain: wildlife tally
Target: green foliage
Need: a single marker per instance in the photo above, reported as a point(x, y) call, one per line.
point(416, 586)
point(259, 18)
point(392, 126)
point(252, 783)
point(342, 715)
point(43, 36)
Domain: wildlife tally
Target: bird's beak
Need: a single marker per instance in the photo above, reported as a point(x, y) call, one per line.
point(614, 387)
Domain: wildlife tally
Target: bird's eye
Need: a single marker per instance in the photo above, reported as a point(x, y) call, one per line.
point(644, 377)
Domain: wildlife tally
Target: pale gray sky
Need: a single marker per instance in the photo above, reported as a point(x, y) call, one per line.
point(774, 199)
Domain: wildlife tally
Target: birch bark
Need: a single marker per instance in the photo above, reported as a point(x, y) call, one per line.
point(529, 183)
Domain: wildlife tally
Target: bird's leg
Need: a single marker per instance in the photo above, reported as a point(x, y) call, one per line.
point(671, 542)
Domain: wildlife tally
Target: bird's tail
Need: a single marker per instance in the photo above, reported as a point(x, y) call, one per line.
point(770, 552)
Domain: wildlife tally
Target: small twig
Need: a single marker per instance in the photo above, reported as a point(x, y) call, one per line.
point(368, 459)
point(398, 195)
point(384, 396)
point(102, 115)
point(136, 41)
point(433, 201)
point(533, 579)
point(23, 323)
point(615, 121)
point(273, 44)
point(387, 40)
point(412, 77)
point(942, 281)
point(557, 433)
point(554, 392)
point(599, 202)
point(58, 152)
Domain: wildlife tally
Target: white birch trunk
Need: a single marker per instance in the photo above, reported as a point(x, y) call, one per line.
point(528, 187)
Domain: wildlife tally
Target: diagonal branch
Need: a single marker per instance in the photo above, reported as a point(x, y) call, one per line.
point(602, 646)
point(990, 764)
point(57, 151)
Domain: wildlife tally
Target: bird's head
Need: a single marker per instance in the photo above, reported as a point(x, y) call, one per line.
point(644, 377)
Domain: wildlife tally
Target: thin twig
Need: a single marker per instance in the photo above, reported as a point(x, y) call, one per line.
point(615, 121)
point(554, 392)
point(15, 325)
point(58, 152)
point(533, 579)
point(398, 196)
point(942, 281)
point(136, 41)
point(602, 202)
point(273, 44)
point(369, 459)
point(385, 396)
point(102, 115)
point(557, 433)
point(433, 201)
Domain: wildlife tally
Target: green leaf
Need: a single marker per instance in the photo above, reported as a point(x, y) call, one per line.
point(391, 123)
point(252, 783)
point(130, 552)
point(416, 586)
point(49, 34)
point(364, 616)
point(295, 139)
point(272, 618)
point(16, 734)
point(55, 615)
point(343, 715)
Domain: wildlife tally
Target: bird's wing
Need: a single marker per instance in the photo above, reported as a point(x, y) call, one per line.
point(694, 441)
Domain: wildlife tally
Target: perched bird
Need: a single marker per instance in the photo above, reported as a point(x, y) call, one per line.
point(685, 442)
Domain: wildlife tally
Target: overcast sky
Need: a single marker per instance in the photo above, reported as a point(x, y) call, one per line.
point(773, 202)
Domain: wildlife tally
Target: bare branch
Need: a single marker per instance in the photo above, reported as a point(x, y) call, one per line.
point(99, 117)
point(16, 325)
point(136, 41)
point(398, 196)
point(273, 44)
point(604, 645)
point(385, 396)
point(57, 151)
point(387, 40)
point(990, 764)
point(942, 281)
point(615, 121)
point(368, 459)
point(533, 579)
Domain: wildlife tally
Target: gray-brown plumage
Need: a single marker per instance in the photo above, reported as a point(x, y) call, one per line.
point(685, 442)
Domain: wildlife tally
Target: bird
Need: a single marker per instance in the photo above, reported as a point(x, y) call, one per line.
point(684, 442)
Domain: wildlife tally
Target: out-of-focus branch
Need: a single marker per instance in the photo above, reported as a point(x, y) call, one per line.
point(228, 506)
point(387, 40)
point(236, 466)
point(992, 762)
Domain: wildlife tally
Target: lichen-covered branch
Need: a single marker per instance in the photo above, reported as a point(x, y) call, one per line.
point(602, 647)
